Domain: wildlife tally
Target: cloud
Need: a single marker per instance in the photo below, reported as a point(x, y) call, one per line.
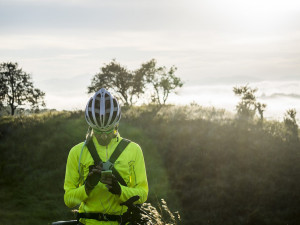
point(232, 16)
point(100, 15)
point(280, 95)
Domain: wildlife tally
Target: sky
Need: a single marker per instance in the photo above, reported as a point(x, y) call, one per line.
point(215, 44)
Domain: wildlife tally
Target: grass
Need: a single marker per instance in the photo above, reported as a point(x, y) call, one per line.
point(34, 153)
point(211, 167)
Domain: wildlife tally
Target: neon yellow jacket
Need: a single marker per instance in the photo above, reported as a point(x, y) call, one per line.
point(130, 166)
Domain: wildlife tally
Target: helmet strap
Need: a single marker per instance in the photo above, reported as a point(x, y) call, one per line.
point(89, 133)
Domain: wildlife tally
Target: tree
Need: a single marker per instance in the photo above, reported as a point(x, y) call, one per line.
point(17, 88)
point(248, 105)
point(261, 108)
point(128, 85)
point(162, 80)
point(36, 99)
point(291, 125)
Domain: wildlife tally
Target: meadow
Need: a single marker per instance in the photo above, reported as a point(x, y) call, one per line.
point(205, 163)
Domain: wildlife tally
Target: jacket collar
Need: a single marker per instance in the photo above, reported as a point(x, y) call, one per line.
point(112, 142)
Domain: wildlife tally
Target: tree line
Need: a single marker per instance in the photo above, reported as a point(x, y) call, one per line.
point(150, 81)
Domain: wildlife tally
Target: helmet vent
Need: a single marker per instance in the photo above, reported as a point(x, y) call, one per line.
point(103, 111)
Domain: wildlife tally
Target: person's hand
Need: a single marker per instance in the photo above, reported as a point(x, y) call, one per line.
point(93, 178)
point(112, 184)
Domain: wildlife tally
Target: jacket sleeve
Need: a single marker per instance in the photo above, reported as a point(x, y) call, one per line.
point(140, 186)
point(74, 193)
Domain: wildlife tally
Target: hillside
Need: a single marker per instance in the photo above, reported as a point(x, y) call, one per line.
point(34, 151)
point(225, 170)
point(213, 169)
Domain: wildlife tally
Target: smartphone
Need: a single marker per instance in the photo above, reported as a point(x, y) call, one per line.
point(106, 174)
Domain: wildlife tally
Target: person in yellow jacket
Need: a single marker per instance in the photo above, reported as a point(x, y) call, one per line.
point(100, 198)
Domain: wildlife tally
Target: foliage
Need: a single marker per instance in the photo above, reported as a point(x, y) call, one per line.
point(126, 84)
point(163, 81)
point(161, 216)
point(32, 164)
point(291, 125)
point(209, 166)
point(130, 85)
point(226, 171)
point(248, 105)
point(17, 88)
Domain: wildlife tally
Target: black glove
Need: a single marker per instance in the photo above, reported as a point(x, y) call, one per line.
point(113, 185)
point(93, 178)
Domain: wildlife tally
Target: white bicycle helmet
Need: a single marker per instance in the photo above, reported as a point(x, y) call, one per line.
point(103, 111)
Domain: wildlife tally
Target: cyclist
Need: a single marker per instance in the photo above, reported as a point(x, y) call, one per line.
point(100, 196)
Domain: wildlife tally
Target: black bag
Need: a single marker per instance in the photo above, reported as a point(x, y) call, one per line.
point(134, 215)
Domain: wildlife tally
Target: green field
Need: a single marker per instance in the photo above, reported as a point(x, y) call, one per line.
point(211, 168)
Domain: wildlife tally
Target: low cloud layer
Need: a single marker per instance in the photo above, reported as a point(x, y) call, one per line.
point(280, 95)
